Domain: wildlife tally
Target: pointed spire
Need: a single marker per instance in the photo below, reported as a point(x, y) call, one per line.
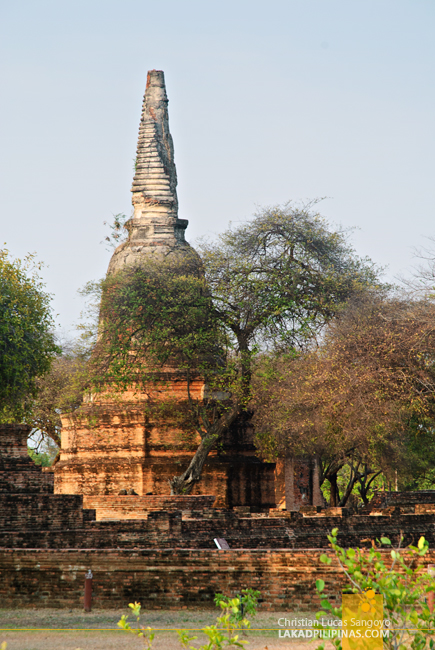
point(156, 177)
point(154, 227)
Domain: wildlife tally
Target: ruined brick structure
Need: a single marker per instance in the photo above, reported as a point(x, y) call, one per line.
point(111, 445)
point(167, 558)
point(297, 483)
point(155, 228)
point(155, 548)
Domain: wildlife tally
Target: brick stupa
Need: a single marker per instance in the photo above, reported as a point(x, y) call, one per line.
point(111, 445)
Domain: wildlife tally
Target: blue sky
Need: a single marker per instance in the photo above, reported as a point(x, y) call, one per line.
point(269, 101)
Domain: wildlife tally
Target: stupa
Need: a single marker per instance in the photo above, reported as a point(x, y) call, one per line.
point(155, 228)
point(111, 445)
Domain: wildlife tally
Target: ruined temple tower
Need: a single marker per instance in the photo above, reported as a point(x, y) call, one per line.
point(111, 445)
point(155, 227)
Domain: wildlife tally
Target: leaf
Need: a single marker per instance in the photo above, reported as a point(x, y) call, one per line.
point(320, 585)
point(413, 617)
point(421, 543)
point(385, 541)
point(326, 604)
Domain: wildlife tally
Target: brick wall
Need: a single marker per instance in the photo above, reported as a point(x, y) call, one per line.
point(49, 526)
point(40, 511)
point(112, 446)
point(18, 472)
point(170, 578)
point(386, 499)
point(137, 507)
point(160, 579)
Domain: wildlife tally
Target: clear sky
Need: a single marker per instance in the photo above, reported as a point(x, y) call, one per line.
point(269, 101)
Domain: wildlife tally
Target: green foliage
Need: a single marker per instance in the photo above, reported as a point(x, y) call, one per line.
point(247, 606)
point(44, 458)
point(89, 318)
point(155, 316)
point(278, 278)
point(58, 391)
point(418, 472)
point(42, 448)
point(403, 583)
point(375, 481)
point(272, 282)
point(145, 634)
point(224, 634)
point(158, 325)
point(27, 344)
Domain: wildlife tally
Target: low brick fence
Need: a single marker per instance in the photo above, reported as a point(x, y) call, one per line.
point(170, 578)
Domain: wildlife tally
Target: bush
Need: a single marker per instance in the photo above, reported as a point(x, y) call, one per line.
point(403, 583)
point(224, 634)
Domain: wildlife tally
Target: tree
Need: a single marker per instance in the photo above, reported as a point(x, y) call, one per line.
point(58, 391)
point(62, 388)
point(27, 343)
point(421, 283)
point(272, 282)
point(279, 278)
point(364, 398)
point(41, 449)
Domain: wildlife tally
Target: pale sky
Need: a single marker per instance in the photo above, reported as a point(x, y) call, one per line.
point(268, 101)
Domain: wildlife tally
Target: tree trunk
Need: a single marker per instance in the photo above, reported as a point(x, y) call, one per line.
point(344, 499)
point(183, 484)
point(365, 483)
point(335, 496)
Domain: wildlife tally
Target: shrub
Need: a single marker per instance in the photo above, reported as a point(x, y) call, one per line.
point(403, 583)
point(224, 634)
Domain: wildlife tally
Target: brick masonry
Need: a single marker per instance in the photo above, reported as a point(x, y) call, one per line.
point(161, 579)
point(168, 558)
point(138, 507)
point(108, 448)
point(172, 578)
point(18, 472)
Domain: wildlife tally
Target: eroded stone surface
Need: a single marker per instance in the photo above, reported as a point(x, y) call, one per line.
point(155, 228)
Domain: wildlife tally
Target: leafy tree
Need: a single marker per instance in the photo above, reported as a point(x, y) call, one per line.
point(278, 279)
point(59, 391)
point(27, 343)
point(364, 398)
point(273, 282)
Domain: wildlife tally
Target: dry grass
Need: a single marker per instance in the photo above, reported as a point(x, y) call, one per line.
point(55, 629)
